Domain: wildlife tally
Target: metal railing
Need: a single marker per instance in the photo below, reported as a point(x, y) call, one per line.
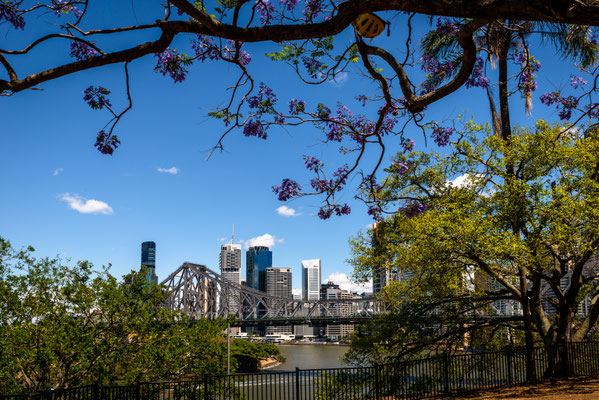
point(415, 379)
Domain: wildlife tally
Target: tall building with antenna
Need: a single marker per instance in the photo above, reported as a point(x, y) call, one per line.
point(230, 260)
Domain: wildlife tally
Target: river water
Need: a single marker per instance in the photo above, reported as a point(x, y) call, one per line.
point(307, 356)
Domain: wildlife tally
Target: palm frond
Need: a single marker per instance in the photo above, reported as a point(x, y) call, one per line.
point(574, 42)
point(439, 45)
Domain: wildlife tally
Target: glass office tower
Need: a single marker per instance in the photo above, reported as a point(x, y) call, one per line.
point(148, 258)
point(258, 258)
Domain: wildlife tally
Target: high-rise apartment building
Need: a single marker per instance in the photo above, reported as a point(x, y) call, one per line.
point(257, 260)
point(278, 282)
point(229, 261)
point(311, 279)
point(148, 258)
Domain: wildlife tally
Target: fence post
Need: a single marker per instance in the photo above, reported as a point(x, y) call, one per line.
point(297, 383)
point(446, 372)
point(96, 391)
point(137, 391)
point(205, 386)
point(509, 367)
point(377, 382)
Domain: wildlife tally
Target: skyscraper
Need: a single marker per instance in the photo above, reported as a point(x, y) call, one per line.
point(258, 258)
point(311, 279)
point(229, 261)
point(278, 282)
point(148, 258)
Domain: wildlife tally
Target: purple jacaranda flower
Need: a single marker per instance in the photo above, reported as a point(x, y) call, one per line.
point(445, 26)
point(266, 11)
point(82, 51)
point(229, 53)
point(592, 110)
point(312, 163)
point(414, 209)
point(577, 81)
point(106, 143)
point(205, 48)
point(399, 167)
point(476, 78)
point(313, 8)
point(565, 105)
point(323, 111)
point(289, 4)
point(10, 14)
point(375, 211)
point(407, 144)
point(325, 212)
point(171, 63)
point(341, 174)
point(287, 190)
point(95, 97)
point(441, 135)
point(64, 7)
point(254, 128)
point(313, 66)
point(296, 106)
point(264, 101)
point(321, 185)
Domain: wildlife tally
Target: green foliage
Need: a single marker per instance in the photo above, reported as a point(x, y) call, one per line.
point(529, 204)
point(67, 326)
point(247, 354)
point(288, 53)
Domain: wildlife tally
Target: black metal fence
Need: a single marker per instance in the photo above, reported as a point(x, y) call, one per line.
point(416, 379)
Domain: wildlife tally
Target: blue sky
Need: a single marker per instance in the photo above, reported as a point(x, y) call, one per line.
point(60, 195)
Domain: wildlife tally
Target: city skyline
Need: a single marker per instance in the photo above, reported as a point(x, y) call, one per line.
point(230, 267)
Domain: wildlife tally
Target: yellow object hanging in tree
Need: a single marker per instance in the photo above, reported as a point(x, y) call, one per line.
point(369, 25)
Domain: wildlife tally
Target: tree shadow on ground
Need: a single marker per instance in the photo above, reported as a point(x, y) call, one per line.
point(571, 389)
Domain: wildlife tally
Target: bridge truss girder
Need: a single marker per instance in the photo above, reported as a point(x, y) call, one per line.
point(199, 292)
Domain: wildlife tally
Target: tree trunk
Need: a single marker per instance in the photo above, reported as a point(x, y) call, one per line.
point(506, 134)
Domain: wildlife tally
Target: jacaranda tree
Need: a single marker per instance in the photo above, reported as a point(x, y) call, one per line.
point(409, 71)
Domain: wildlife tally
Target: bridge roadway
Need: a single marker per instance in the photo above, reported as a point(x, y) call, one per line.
point(201, 293)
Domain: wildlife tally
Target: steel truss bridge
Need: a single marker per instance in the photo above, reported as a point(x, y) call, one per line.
point(199, 292)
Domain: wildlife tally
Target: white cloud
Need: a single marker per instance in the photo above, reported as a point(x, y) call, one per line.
point(171, 170)
point(464, 180)
point(222, 239)
point(267, 240)
point(85, 206)
point(57, 171)
point(296, 291)
point(340, 79)
point(287, 211)
point(345, 283)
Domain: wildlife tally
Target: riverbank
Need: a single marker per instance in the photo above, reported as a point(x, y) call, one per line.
point(268, 363)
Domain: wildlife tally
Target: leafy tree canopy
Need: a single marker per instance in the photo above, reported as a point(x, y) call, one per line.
point(64, 326)
point(482, 220)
